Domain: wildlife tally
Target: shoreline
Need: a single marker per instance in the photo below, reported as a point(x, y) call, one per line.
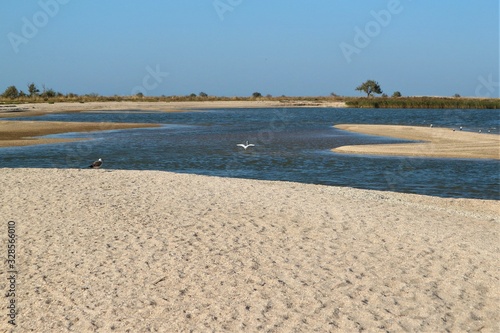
point(114, 250)
point(38, 109)
point(437, 142)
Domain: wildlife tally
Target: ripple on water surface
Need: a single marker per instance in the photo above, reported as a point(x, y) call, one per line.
point(291, 145)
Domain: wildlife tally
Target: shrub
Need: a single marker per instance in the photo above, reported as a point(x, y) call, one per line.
point(11, 92)
point(50, 93)
point(33, 90)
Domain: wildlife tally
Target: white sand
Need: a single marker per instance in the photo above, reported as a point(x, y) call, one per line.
point(26, 133)
point(30, 109)
point(436, 142)
point(139, 251)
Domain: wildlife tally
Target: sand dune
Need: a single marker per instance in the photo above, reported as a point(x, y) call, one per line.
point(137, 251)
point(438, 142)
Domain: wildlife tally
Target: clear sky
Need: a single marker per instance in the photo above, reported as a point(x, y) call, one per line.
point(237, 47)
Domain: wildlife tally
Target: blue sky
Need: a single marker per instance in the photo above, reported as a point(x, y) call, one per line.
point(237, 47)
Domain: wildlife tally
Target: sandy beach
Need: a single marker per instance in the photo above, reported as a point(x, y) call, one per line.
point(35, 109)
point(149, 251)
point(25, 133)
point(436, 142)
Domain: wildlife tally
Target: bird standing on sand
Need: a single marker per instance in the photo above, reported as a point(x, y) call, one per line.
point(96, 165)
point(245, 145)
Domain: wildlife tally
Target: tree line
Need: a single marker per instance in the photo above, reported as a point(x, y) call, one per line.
point(12, 92)
point(33, 92)
point(369, 87)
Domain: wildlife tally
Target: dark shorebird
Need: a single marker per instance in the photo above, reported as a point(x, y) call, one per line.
point(96, 165)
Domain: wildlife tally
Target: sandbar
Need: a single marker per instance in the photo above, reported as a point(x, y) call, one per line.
point(24, 133)
point(150, 251)
point(437, 142)
point(36, 109)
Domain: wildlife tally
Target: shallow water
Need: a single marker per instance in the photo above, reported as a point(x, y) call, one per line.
point(291, 145)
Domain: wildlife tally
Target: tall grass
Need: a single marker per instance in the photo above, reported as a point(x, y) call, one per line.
point(424, 103)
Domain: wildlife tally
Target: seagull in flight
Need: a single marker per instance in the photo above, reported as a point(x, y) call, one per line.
point(96, 165)
point(245, 145)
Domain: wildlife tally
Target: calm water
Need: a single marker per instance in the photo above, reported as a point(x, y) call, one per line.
point(291, 145)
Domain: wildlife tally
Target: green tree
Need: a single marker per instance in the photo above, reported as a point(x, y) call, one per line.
point(33, 90)
point(202, 94)
point(396, 94)
point(11, 92)
point(257, 94)
point(49, 93)
point(370, 87)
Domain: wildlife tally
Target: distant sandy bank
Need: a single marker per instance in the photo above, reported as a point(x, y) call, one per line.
point(439, 142)
point(25, 133)
point(33, 109)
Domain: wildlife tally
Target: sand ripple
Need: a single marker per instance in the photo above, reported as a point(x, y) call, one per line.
point(139, 251)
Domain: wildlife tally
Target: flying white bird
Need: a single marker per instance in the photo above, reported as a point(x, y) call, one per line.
point(245, 145)
point(96, 165)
